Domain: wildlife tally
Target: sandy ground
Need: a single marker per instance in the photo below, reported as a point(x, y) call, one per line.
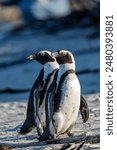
point(12, 115)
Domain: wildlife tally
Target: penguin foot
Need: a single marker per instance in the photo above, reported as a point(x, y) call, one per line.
point(26, 127)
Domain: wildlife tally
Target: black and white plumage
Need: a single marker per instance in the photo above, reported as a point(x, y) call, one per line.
point(42, 94)
point(84, 110)
point(66, 97)
point(38, 92)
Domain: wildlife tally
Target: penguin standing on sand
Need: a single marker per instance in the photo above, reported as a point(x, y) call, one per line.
point(34, 94)
point(66, 98)
point(37, 96)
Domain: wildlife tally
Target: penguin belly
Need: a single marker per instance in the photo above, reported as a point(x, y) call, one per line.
point(69, 105)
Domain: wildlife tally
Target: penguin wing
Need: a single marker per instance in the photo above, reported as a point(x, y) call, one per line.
point(38, 81)
point(31, 109)
point(84, 109)
point(36, 84)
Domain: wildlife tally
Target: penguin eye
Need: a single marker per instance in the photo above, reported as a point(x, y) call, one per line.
point(42, 53)
point(64, 53)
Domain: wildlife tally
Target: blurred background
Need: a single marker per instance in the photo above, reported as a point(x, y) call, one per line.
point(28, 26)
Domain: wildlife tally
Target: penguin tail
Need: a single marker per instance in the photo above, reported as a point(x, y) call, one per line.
point(45, 135)
point(26, 127)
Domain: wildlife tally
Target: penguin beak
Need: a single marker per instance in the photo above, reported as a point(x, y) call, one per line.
point(31, 57)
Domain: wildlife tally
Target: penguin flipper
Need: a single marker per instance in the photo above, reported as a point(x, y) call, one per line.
point(29, 123)
point(36, 84)
point(84, 109)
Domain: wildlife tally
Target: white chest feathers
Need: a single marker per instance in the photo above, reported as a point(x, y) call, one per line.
point(69, 105)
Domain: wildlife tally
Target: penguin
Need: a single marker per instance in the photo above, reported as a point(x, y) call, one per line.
point(66, 97)
point(84, 110)
point(36, 102)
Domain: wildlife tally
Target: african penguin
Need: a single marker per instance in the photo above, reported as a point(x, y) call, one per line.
point(84, 110)
point(66, 97)
point(37, 96)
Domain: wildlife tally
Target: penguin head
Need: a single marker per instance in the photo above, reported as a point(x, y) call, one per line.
point(63, 57)
point(42, 57)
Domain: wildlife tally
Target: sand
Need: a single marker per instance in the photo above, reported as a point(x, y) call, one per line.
point(85, 135)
